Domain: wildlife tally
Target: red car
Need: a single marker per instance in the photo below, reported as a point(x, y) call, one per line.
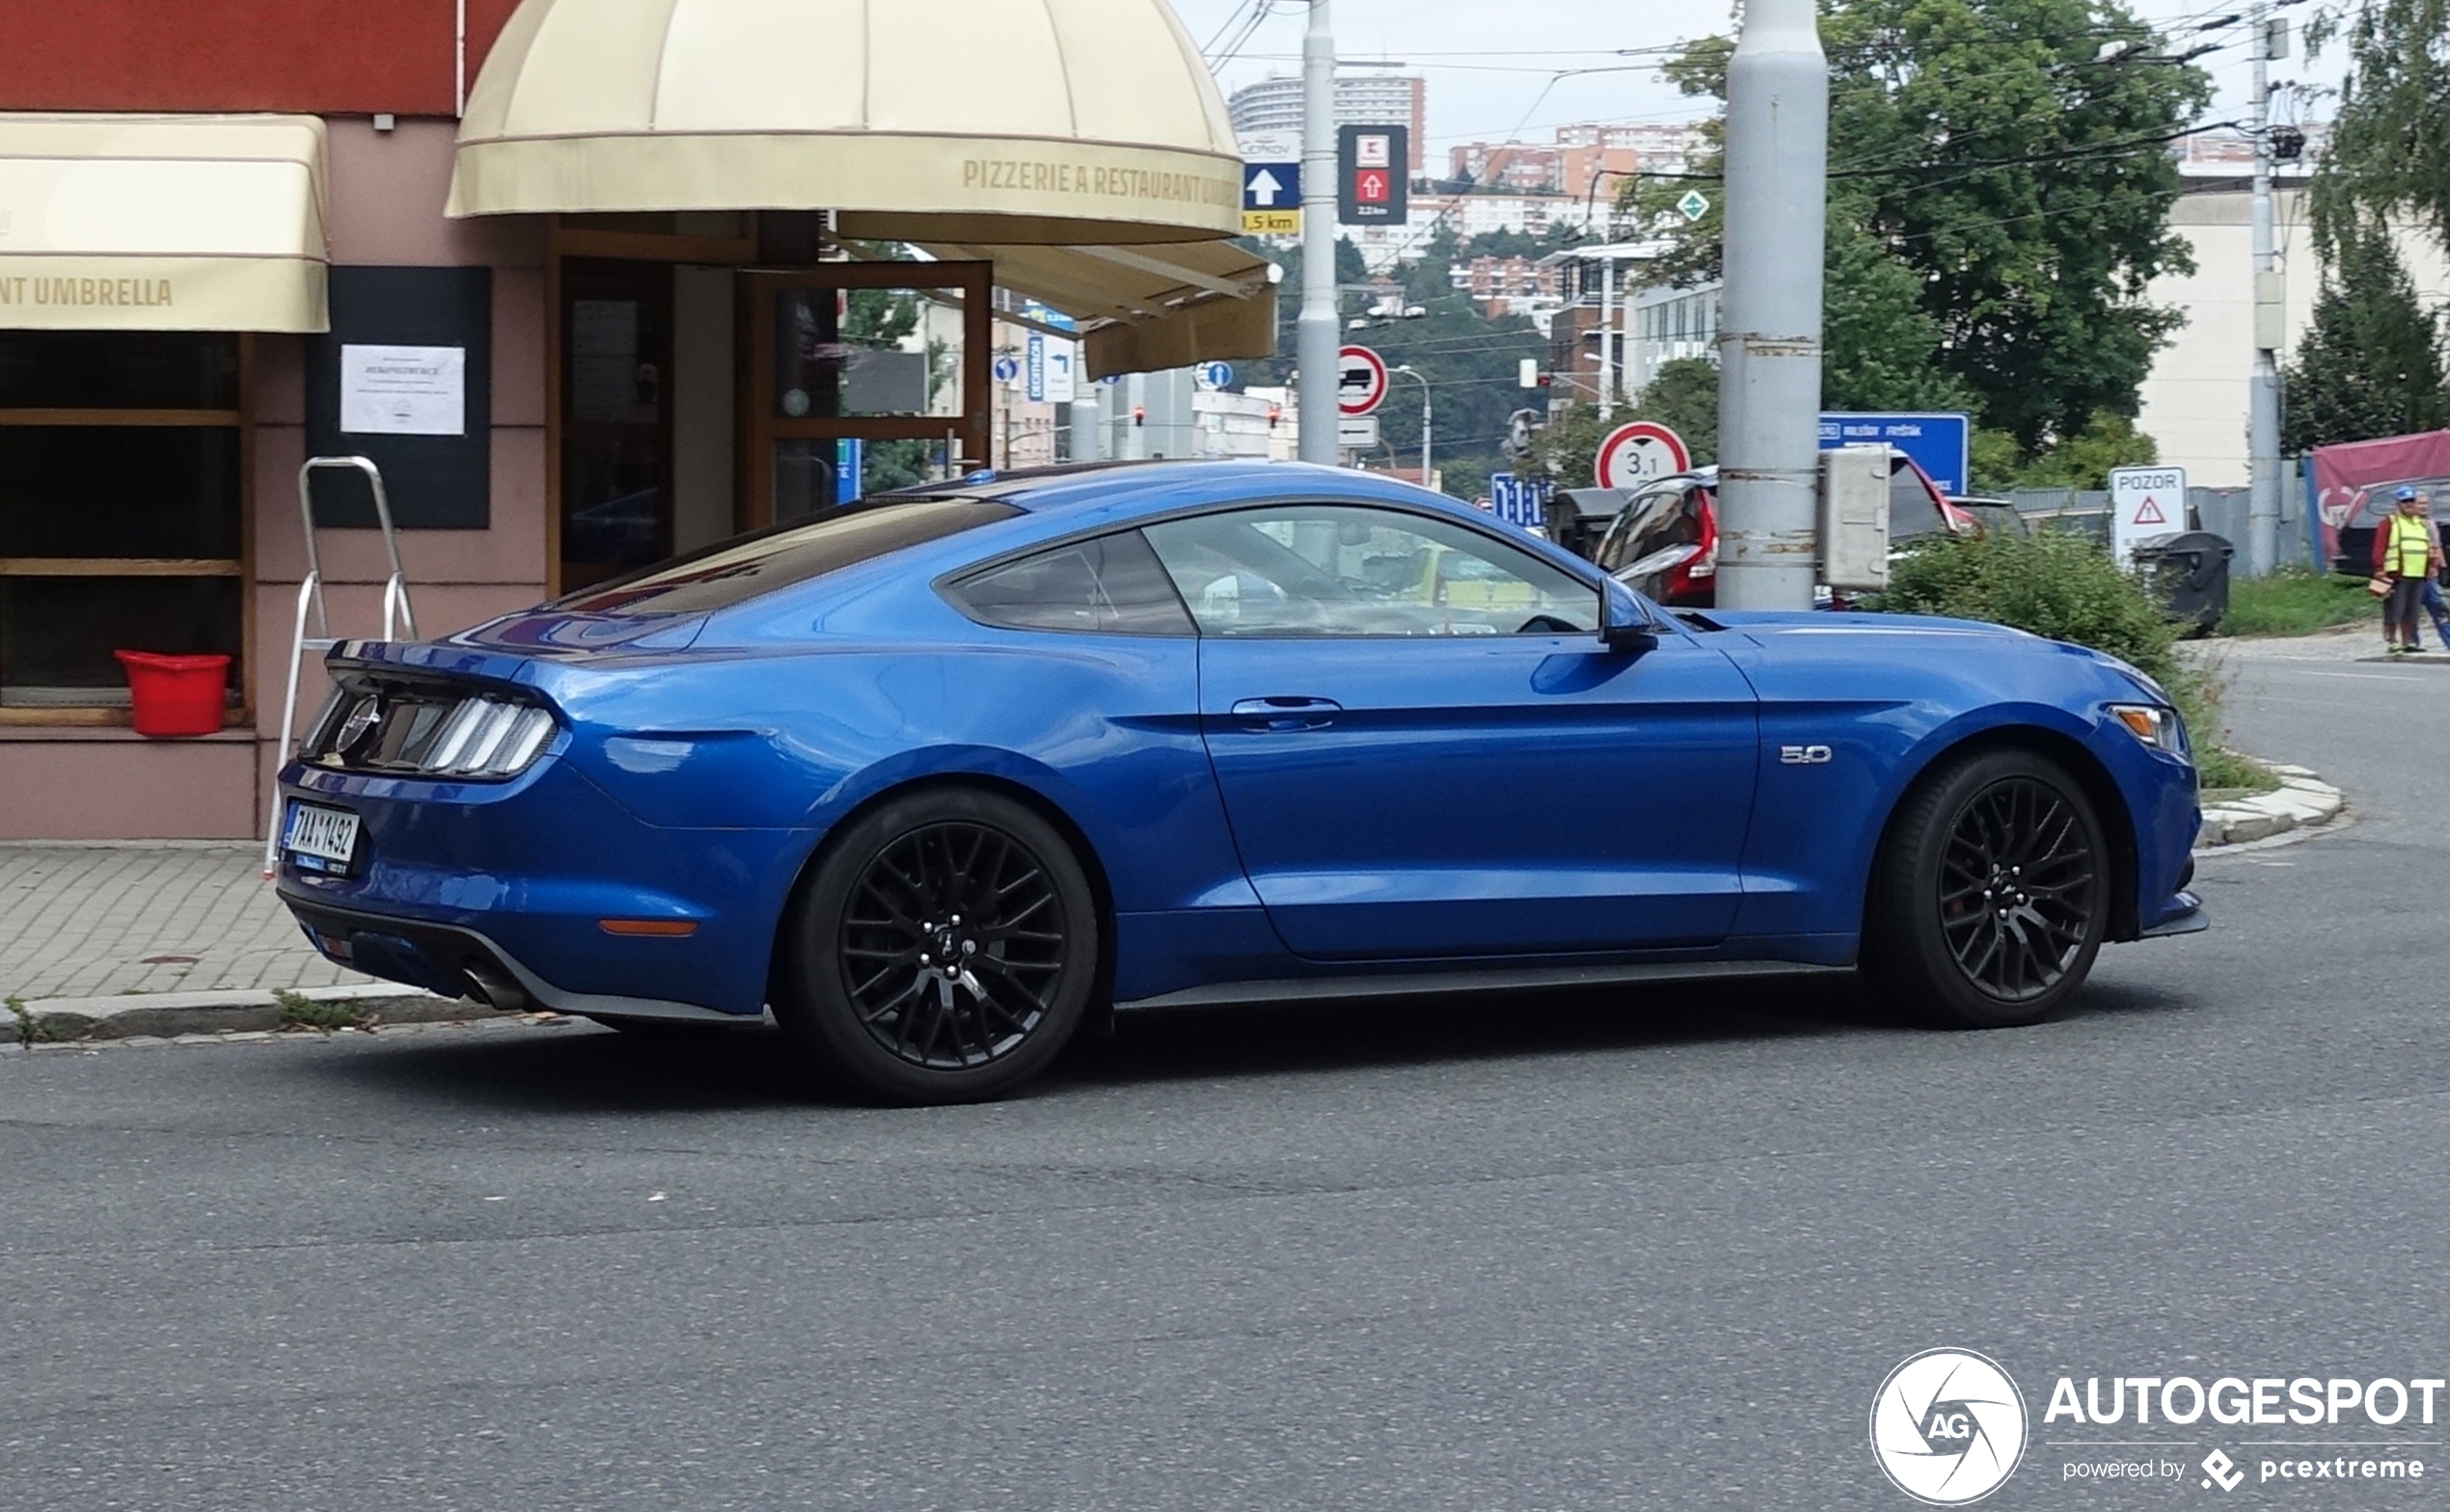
point(1664, 542)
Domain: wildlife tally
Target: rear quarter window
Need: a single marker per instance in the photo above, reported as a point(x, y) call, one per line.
point(1110, 584)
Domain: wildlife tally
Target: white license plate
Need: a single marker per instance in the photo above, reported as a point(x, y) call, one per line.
point(319, 839)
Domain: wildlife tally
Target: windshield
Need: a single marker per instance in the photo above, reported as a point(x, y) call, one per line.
point(735, 571)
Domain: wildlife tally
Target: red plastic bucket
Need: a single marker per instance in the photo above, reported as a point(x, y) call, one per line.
point(175, 695)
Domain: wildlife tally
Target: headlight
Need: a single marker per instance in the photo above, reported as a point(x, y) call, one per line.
point(2155, 726)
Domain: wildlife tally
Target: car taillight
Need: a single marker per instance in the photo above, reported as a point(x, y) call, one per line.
point(433, 734)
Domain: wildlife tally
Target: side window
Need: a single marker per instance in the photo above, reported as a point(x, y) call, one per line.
point(1356, 569)
point(1110, 584)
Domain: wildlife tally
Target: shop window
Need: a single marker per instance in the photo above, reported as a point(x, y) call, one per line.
point(123, 506)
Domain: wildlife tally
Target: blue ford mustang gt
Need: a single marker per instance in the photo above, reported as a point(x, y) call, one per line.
point(937, 775)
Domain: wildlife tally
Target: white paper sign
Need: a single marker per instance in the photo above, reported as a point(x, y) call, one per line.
point(404, 391)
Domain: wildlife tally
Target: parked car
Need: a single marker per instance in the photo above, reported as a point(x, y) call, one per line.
point(2354, 555)
point(1664, 541)
point(938, 775)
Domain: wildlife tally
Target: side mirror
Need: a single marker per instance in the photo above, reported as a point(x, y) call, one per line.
point(1624, 626)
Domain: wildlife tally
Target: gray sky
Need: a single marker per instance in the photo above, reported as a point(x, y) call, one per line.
point(1491, 77)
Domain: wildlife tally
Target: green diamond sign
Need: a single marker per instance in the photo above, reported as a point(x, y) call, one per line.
point(1695, 204)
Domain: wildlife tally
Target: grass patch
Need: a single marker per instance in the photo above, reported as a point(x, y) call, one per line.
point(300, 1011)
point(30, 1029)
point(2296, 600)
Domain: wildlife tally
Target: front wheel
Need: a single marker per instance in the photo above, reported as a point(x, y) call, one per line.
point(943, 950)
point(1990, 896)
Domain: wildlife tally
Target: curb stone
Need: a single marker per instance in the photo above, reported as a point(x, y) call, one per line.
point(2302, 801)
point(165, 1015)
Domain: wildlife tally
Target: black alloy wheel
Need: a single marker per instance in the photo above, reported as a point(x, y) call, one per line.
point(942, 950)
point(1990, 898)
point(2019, 883)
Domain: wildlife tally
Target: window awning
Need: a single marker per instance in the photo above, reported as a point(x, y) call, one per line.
point(1146, 306)
point(1053, 121)
point(163, 222)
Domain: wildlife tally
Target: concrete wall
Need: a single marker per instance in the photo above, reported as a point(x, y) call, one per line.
point(2195, 401)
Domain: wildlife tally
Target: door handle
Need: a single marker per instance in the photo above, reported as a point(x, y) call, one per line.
point(1287, 713)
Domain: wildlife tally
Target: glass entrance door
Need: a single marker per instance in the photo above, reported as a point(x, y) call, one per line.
point(863, 376)
point(616, 418)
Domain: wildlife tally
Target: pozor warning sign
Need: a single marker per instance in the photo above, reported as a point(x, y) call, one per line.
point(2145, 502)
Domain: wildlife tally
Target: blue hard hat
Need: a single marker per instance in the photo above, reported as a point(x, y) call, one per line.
point(2407, 491)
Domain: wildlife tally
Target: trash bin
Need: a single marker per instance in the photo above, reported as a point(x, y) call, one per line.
point(1578, 517)
point(175, 695)
point(2189, 573)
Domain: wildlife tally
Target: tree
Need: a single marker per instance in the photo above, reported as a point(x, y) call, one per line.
point(2001, 168)
point(2389, 150)
point(1683, 396)
point(2372, 362)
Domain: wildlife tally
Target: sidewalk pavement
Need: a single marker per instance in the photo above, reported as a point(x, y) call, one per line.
point(163, 938)
point(100, 921)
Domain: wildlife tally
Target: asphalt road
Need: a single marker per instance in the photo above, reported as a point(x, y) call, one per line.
point(1563, 1252)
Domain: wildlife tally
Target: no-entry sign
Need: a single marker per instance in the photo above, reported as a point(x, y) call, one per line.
point(1635, 453)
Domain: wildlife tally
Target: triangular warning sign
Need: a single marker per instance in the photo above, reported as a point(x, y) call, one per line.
point(2149, 513)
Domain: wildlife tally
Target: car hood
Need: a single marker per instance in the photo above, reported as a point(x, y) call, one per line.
point(1766, 625)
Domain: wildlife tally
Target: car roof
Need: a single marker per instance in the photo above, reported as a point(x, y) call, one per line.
point(1087, 493)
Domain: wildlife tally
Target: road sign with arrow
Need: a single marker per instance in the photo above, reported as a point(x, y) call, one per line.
point(1373, 175)
point(1271, 199)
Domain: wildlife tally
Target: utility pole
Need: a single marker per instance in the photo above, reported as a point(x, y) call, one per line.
point(1314, 334)
point(2263, 408)
point(1769, 342)
point(1607, 336)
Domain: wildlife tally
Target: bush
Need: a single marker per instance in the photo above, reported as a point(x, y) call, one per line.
point(2052, 582)
point(2066, 587)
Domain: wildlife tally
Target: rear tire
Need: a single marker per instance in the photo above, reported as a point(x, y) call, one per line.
point(1990, 898)
point(943, 949)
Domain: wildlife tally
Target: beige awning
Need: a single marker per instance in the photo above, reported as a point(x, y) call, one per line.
point(1146, 306)
point(1010, 121)
point(163, 222)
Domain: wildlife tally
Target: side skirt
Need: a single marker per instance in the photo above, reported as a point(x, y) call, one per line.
point(1505, 979)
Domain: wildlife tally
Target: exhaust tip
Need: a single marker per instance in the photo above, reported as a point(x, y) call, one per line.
point(496, 989)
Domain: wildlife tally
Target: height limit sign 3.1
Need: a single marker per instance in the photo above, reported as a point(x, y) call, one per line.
point(1373, 175)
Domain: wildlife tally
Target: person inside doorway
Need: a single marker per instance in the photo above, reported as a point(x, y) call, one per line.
point(2406, 552)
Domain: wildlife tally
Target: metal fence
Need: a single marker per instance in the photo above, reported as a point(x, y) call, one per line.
point(2222, 511)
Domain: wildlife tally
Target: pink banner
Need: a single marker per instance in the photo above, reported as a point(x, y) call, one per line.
point(2354, 481)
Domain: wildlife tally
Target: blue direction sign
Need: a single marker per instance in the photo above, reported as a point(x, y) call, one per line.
point(1518, 500)
point(1215, 375)
point(1272, 186)
point(1941, 445)
point(1007, 368)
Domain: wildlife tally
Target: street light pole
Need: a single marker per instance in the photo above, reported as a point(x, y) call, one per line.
point(1424, 421)
point(1769, 340)
point(1315, 336)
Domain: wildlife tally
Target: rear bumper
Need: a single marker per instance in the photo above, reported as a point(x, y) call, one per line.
point(518, 880)
point(457, 961)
